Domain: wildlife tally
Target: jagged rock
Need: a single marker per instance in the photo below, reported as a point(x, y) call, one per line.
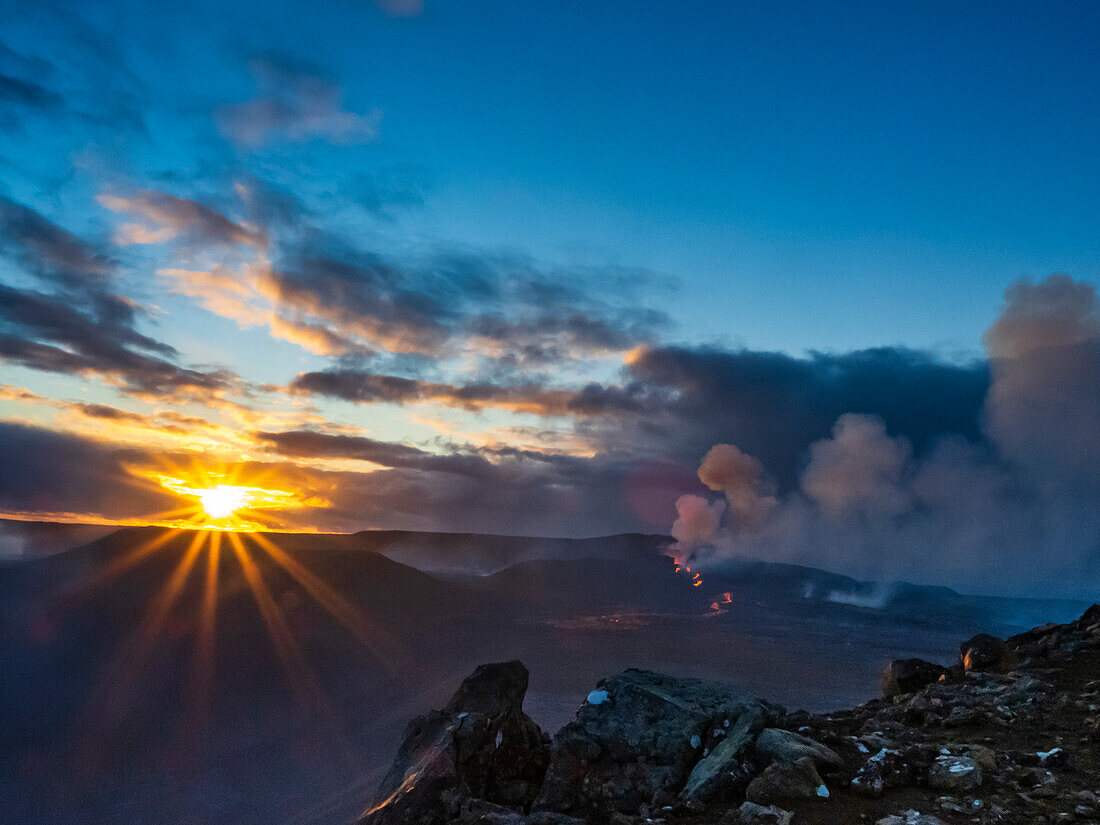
point(955, 774)
point(892, 768)
point(777, 745)
point(724, 771)
point(1090, 617)
point(786, 781)
point(481, 746)
point(752, 814)
point(642, 740)
point(910, 818)
point(909, 675)
point(480, 812)
point(984, 653)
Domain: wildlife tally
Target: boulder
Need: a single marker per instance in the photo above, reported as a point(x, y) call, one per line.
point(786, 781)
point(984, 653)
point(955, 774)
point(479, 812)
point(481, 746)
point(892, 768)
point(778, 745)
point(641, 739)
point(725, 771)
point(908, 676)
point(1090, 617)
point(910, 818)
point(752, 814)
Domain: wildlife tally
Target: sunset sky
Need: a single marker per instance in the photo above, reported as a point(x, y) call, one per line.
point(515, 267)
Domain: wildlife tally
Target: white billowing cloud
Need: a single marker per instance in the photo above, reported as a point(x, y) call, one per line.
point(859, 469)
point(1014, 512)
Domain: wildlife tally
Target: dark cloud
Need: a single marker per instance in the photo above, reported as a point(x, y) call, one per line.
point(82, 327)
point(505, 490)
point(371, 388)
point(1012, 507)
point(27, 93)
point(309, 444)
point(45, 471)
point(773, 405)
point(503, 308)
point(50, 252)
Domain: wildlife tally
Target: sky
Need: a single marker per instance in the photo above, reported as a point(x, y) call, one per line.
point(519, 268)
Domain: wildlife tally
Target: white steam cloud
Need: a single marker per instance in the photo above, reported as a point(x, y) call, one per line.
point(1016, 512)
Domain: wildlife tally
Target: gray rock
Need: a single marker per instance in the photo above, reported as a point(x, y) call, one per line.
point(481, 746)
point(642, 740)
point(955, 774)
point(724, 771)
point(778, 745)
point(909, 675)
point(787, 781)
point(892, 768)
point(753, 814)
point(984, 653)
point(910, 818)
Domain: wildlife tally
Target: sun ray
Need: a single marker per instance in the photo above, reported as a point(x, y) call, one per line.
point(116, 567)
point(303, 681)
point(378, 642)
point(200, 694)
point(125, 669)
point(290, 654)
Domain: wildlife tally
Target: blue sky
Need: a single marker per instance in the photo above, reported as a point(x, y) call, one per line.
point(825, 177)
point(485, 265)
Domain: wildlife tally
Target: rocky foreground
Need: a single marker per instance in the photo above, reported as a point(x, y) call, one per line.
point(1008, 734)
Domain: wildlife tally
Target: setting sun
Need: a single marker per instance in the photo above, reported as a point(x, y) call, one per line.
point(222, 501)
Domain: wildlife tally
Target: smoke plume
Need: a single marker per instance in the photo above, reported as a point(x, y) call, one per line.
point(1014, 510)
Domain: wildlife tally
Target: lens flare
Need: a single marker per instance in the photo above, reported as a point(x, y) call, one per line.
point(222, 501)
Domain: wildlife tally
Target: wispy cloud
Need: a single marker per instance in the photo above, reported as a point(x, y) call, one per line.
point(295, 103)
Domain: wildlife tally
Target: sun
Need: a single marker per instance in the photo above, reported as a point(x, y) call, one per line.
point(222, 501)
point(225, 498)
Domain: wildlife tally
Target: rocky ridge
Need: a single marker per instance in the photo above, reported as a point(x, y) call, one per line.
point(1007, 734)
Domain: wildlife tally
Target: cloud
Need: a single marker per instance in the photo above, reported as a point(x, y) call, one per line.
point(295, 103)
point(772, 405)
point(48, 472)
point(401, 8)
point(171, 216)
point(371, 388)
point(858, 467)
point(82, 326)
point(1011, 509)
point(27, 93)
